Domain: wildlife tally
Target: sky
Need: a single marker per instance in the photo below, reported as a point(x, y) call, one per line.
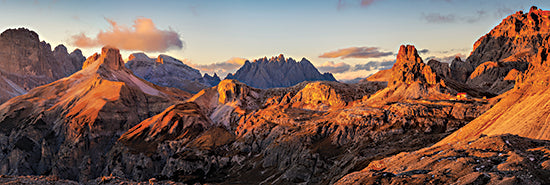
point(350, 38)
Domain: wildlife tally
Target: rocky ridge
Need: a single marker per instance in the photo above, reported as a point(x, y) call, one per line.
point(278, 72)
point(26, 63)
point(169, 72)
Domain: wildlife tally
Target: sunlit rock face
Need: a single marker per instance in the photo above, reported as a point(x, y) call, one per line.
point(508, 46)
point(278, 72)
point(66, 127)
point(26, 63)
point(169, 72)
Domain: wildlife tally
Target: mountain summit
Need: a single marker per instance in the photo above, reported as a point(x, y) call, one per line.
point(278, 72)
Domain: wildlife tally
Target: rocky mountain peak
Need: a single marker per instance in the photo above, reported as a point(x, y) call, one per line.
point(109, 58)
point(278, 72)
point(20, 34)
point(409, 67)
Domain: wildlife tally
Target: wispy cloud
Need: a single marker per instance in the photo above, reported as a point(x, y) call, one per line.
point(142, 36)
point(334, 68)
point(356, 52)
point(342, 4)
point(374, 65)
point(423, 51)
point(439, 18)
point(346, 72)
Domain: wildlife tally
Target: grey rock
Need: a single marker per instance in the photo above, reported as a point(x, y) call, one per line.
point(278, 72)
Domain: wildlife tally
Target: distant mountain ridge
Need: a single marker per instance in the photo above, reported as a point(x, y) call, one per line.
point(169, 72)
point(278, 72)
point(26, 62)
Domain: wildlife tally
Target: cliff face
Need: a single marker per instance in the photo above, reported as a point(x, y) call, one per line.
point(64, 128)
point(278, 72)
point(169, 72)
point(26, 63)
point(510, 45)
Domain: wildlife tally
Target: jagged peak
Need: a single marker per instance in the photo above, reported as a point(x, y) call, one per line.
point(109, 58)
point(409, 67)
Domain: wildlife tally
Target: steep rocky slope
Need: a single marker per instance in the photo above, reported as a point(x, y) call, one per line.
point(169, 72)
point(65, 128)
point(26, 63)
point(278, 72)
point(522, 110)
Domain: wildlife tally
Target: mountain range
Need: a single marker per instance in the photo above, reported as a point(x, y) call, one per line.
point(278, 72)
point(481, 120)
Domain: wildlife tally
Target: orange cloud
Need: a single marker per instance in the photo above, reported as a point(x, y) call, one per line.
point(142, 36)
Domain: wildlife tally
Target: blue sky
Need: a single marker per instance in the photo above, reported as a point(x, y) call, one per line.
point(221, 31)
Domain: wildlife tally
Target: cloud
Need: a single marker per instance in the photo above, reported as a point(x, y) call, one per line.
point(439, 18)
point(142, 36)
point(334, 68)
point(374, 65)
point(365, 3)
point(221, 68)
point(356, 52)
point(342, 4)
point(447, 58)
point(359, 70)
point(423, 51)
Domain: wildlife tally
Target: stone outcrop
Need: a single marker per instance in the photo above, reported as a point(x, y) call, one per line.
point(278, 72)
point(169, 72)
point(64, 128)
point(441, 69)
point(410, 68)
point(461, 70)
point(26, 63)
point(411, 79)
